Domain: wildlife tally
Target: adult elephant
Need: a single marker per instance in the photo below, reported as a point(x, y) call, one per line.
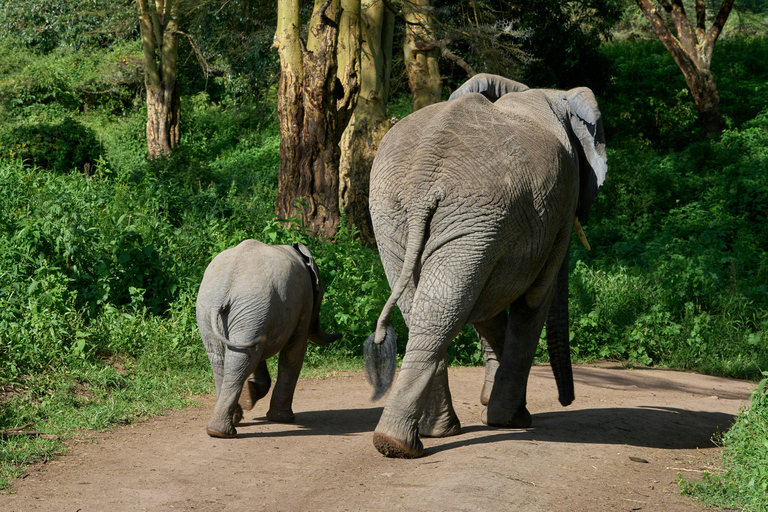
point(473, 201)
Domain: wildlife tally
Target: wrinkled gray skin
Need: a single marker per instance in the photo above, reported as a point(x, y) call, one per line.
point(473, 201)
point(256, 300)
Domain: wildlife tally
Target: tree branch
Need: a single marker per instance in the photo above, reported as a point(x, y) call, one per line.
point(448, 54)
point(717, 26)
point(701, 20)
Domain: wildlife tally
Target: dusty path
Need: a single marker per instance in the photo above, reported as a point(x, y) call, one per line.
point(587, 457)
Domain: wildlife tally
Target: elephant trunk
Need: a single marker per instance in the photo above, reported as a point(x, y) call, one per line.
point(558, 339)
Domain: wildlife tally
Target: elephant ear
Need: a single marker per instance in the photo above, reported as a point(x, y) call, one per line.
point(587, 125)
point(314, 274)
point(492, 87)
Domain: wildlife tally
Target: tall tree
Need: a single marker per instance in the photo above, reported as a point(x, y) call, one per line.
point(313, 104)
point(369, 121)
point(692, 51)
point(421, 58)
point(159, 25)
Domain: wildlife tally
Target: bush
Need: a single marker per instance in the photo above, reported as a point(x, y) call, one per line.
point(59, 147)
point(743, 484)
point(66, 80)
point(680, 256)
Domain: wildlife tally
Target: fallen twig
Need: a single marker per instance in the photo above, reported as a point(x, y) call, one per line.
point(22, 431)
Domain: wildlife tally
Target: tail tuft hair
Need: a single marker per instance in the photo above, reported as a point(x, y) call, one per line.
point(380, 362)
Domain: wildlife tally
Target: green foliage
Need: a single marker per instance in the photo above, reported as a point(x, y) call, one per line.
point(743, 482)
point(44, 26)
point(59, 147)
point(65, 79)
point(680, 258)
point(648, 102)
point(565, 39)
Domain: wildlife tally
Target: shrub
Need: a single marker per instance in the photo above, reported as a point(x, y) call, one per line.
point(59, 147)
point(743, 484)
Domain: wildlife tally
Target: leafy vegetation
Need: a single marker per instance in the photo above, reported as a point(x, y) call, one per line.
point(101, 252)
point(743, 483)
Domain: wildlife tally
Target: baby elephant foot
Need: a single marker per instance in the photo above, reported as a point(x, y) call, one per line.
point(281, 416)
point(226, 431)
point(497, 417)
point(252, 392)
point(390, 447)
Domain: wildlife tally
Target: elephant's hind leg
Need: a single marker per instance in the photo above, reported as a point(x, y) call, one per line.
point(238, 363)
point(439, 418)
point(255, 387)
point(288, 369)
point(434, 321)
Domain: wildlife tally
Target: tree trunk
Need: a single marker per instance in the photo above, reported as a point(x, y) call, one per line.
point(692, 50)
point(159, 40)
point(369, 122)
point(313, 95)
point(162, 121)
point(421, 64)
point(704, 91)
point(290, 107)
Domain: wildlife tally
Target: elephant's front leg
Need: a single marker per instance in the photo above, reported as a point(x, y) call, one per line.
point(288, 370)
point(238, 363)
point(439, 418)
point(507, 403)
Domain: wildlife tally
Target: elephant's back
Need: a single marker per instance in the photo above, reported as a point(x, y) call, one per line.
point(258, 283)
point(472, 151)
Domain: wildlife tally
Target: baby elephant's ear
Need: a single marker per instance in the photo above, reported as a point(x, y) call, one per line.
point(313, 271)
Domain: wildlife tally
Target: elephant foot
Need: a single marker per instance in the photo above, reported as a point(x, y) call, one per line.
point(390, 447)
point(281, 416)
point(485, 394)
point(501, 418)
point(439, 426)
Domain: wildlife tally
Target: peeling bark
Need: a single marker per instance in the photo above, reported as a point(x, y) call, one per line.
point(315, 99)
point(369, 123)
point(158, 24)
point(421, 64)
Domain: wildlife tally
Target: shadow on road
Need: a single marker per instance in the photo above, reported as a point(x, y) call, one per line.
point(650, 427)
point(337, 422)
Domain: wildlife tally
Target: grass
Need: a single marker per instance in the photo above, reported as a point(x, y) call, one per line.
point(742, 483)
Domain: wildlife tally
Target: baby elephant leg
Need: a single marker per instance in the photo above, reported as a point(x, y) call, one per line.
point(288, 370)
point(255, 387)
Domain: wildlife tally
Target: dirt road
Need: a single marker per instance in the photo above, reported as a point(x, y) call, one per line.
point(619, 446)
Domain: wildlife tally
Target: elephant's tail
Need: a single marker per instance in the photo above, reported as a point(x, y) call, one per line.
point(380, 351)
point(413, 249)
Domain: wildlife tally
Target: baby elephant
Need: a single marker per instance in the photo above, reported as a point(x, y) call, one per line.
point(257, 300)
